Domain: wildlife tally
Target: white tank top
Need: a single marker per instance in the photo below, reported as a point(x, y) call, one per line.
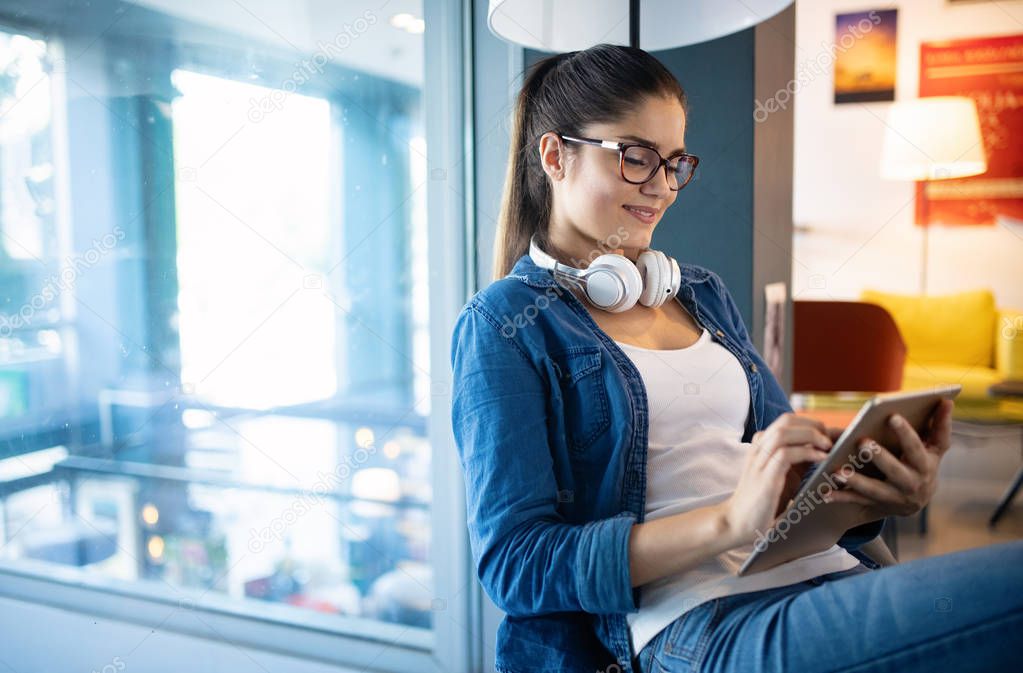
point(698, 401)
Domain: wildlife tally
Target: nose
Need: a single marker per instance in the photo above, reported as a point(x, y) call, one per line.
point(658, 184)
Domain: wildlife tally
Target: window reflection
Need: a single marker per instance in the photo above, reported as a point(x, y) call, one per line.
point(213, 310)
point(257, 218)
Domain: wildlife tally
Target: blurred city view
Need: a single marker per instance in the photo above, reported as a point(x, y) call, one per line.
point(213, 336)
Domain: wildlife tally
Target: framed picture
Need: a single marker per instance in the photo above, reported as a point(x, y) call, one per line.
point(865, 56)
point(988, 70)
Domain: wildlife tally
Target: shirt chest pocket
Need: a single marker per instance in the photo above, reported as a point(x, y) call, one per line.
point(583, 395)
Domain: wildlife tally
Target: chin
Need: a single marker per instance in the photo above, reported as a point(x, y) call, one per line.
point(639, 237)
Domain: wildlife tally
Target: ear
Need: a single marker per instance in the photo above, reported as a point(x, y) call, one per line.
point(552, 155)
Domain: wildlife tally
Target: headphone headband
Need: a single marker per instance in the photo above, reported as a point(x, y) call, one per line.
point(541, 258)
point(614, 283)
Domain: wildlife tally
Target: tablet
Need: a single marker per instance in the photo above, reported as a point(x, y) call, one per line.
point(809, 525)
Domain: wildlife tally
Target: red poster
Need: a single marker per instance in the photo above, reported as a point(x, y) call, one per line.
point(990, 71)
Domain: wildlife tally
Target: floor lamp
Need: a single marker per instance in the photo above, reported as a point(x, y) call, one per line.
point(928, 139)
point(570, 25)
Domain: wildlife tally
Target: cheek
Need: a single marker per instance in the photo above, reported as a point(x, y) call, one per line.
point(604, 208)
point(599, 196)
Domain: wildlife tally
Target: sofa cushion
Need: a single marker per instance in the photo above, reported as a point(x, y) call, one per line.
point(975, 380)
point(1009, 344)
point(954, 329)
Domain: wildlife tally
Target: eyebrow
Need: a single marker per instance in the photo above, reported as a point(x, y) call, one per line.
point(645, 141)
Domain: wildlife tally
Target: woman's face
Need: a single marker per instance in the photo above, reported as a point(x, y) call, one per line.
point(589, 215)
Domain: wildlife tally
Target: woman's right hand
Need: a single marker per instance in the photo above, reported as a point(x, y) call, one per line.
point(789, 441)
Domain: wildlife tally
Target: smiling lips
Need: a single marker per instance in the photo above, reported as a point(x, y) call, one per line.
point(642, 213)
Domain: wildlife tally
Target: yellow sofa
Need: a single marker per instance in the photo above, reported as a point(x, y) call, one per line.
point(959, 338)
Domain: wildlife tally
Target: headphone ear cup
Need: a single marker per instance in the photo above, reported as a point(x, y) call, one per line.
point(676, 279)
point(613, 283)
point(656, 271)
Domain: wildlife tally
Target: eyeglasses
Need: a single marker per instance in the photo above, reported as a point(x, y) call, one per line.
point(637, 163)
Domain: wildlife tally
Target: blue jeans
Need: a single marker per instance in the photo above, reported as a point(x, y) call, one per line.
point(961, 611)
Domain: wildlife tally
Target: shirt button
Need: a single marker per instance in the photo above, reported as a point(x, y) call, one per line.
point(753, 367)
point(719, 333)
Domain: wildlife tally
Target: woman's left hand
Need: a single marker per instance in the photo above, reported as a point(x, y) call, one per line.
point(912, 478)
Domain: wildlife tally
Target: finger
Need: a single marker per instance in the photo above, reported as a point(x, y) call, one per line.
point(875, 489)
point(795, 435)
point(800, 419)
point(767, 449)
point(789, 420)
point(940, 435)
point(912, 446)
point(898, 473)
point(783, 457)
point(804, 434)
point(848, 496)
point(835, 433)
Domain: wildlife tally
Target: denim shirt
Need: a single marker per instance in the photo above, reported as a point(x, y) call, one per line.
point(550, 419)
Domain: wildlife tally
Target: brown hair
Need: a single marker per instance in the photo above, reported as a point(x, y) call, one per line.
point(563, 93)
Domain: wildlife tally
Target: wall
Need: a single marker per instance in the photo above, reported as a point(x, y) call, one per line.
point(710, 223)
point(862, 233)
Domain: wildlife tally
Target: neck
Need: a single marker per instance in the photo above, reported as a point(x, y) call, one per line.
point(578, 251)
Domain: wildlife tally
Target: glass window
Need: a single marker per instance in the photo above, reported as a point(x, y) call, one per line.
point(214, 316)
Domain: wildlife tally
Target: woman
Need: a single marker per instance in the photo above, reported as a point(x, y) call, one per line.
point(622, 452)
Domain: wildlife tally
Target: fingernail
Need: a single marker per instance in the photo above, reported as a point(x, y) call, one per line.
point(895, 421)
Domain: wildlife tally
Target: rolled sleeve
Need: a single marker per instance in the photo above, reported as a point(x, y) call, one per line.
point(529, 560)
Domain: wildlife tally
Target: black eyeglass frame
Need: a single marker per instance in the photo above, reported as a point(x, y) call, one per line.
point(621, 148)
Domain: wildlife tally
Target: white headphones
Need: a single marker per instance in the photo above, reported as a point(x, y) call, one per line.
point(613, 283)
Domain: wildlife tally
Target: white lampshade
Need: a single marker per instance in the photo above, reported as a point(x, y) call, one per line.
point(569, 25)
point(933, 138)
